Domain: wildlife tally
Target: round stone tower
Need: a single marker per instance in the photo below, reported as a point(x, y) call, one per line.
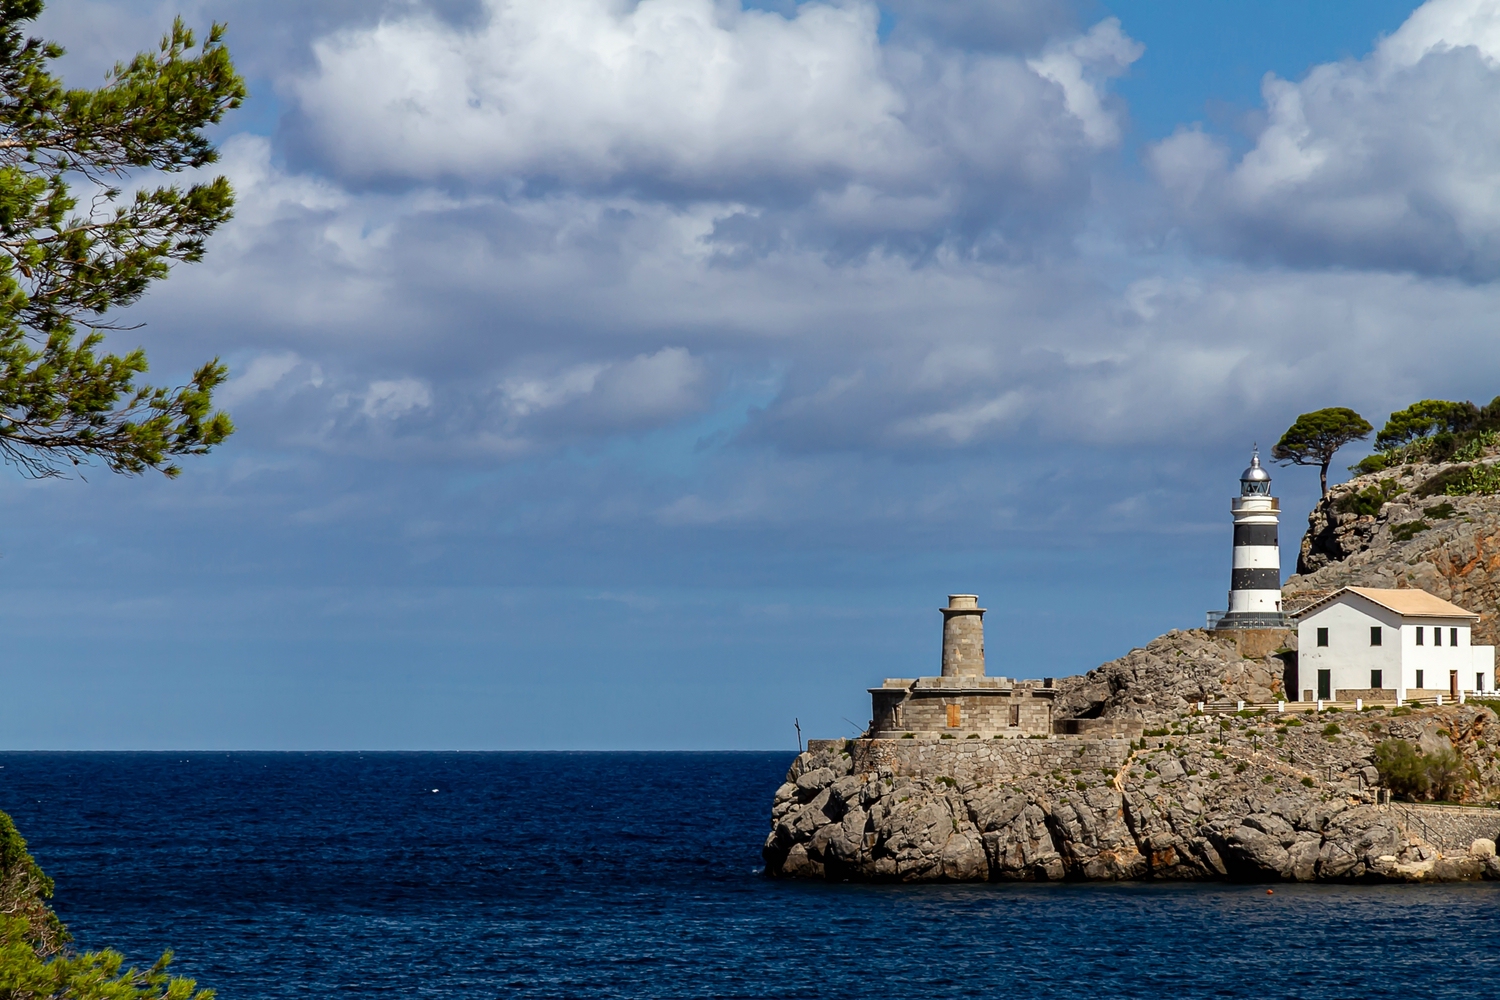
point(1255, 582)
point(963, 636)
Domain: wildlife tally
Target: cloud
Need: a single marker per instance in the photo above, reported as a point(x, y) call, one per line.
point(388, 399)
point(812, 127)
point(612, 396)
point(261, 375)
point(1387, 162)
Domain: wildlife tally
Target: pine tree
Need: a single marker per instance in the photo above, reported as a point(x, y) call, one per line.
point(74, 246)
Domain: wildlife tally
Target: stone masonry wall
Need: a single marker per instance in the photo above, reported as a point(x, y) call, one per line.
point(987, 713)
point(1449, 828)
point(978, 761)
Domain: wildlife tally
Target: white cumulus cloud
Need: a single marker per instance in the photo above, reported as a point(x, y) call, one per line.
point(1386, 162)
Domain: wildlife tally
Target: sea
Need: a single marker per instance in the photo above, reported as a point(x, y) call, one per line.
point(474, 875)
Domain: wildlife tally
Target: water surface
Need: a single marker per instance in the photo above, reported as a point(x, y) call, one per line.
point(637, 875)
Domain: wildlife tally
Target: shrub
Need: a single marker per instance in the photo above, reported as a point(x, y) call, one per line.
point(943, 779)
point(908, 736)
point(1332, 729)
point(972, 736)
point(1441, 512)
point(1214, 775)
point(1240, 767)
point(1408, 530)
point(949, 736)
point(1082, 785)
point(1369, 500)
point(1447, 771)
point(1411, 774)
point(1476, 447)
point(1377, 462)
point(1268, 779)
point(1292, 722)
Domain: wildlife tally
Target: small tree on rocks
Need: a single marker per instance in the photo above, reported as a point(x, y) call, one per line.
point(1316, 436)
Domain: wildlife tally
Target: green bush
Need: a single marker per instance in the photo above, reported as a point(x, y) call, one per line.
point(1308, 782)
point(1405, 532)
point(1369, 500)
point(1411, 774)
point(1332, 729)
point(1214, 775)
point(948, 736)
point(1440, 512)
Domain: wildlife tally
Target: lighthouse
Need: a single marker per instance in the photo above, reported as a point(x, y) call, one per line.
point(1255, 582)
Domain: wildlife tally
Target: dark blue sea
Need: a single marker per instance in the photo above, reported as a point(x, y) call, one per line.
point(637, 875)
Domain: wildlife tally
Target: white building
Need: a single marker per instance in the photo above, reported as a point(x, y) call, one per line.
point(1360, 642)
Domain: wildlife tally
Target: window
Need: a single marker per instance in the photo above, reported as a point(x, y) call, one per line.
point(1419, 680)
point(1015, 715)
point(1325, 684)
point(1437, 636)
point(1322, 637)
point(953, 716)
point(1453, 637)
point(1375, 678)
point(1419, 640)
point(1374, 635)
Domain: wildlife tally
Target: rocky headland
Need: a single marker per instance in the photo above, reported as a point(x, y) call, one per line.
point(1253, 795)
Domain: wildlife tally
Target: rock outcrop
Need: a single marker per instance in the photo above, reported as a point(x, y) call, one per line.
point(1267, 798)
point(1397, 529)
point(1169, 676)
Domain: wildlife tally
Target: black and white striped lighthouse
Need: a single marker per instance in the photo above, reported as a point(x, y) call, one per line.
point(1255, 582)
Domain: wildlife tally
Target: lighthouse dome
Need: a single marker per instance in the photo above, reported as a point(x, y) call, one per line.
point(1255, 479)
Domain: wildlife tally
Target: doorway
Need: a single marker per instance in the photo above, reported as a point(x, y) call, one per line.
point(1325, 684)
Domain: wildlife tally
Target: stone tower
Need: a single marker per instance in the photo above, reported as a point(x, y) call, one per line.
point(1255, 581)
point(963, 636)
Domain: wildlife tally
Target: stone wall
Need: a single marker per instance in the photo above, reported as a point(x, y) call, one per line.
point(938, 704)
point(1449, 828)
point(1130, 729)
point(977, 761)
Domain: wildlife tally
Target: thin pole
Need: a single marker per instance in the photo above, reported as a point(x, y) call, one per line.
point(798, 724)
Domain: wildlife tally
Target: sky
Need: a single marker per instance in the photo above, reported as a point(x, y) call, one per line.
point(645, 374)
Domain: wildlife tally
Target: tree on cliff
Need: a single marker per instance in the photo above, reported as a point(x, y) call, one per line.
point(1425, 419)
point(68, 258)
point(1316, 436)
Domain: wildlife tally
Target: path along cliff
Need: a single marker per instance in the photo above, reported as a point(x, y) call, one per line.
point(1292, 795)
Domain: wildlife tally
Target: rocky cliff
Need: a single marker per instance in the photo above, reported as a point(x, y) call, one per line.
point(1398, 528)
point(1171, 674)
point(1267, 797)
